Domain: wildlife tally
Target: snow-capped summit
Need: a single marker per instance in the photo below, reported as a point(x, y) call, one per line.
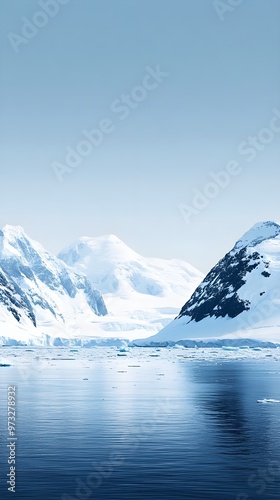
point(109, 247)
point(15, 244)
point(240, 296)
point(113, 267)
point(13, 231)
point(39, 293)
point(258, 233)
point(141, 294)
point(103, 259)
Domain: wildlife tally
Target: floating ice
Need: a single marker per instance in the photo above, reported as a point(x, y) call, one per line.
point(123, 349)
point(268, 401)
point(225, 348)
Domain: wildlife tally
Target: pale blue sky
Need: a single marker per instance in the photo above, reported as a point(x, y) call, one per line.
point(222, 86)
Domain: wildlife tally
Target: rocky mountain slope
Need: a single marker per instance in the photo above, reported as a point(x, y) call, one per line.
point(239, 298)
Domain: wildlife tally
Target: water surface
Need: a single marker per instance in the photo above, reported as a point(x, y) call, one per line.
point(152, 424)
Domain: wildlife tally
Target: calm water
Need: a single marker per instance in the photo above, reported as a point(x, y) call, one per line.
point(168, 424)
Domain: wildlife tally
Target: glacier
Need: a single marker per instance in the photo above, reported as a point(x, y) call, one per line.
point(142, 294)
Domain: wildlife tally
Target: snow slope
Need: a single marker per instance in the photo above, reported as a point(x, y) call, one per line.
point(239, 298)
point(40, 296)
point(142, 295)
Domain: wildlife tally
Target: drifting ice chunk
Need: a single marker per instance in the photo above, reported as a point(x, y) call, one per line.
point(267, 401)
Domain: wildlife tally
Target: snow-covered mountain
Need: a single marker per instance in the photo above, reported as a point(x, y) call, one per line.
point(239, 298)
point(45, 300)
point(40, 296)
point(142, 295)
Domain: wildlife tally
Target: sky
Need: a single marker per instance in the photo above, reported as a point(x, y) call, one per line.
point(183, 98)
